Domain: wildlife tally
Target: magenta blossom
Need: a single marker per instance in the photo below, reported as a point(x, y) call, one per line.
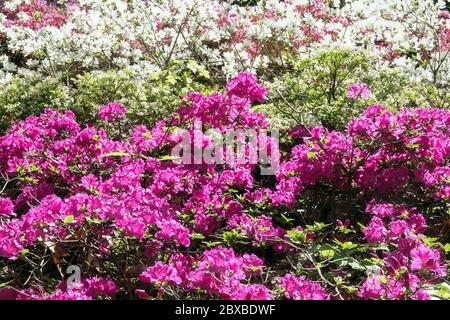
point(245, 85)
point(161, 273)
point(356, 91)
point(375, 232)
point(111, 111)
point(6, 206)
point(372, 288)
point(424, 258)
point(298, 288)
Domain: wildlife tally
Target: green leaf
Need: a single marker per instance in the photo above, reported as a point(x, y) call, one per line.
point(168, 158)
point(350, 289)
point(54, 169)
point(343, 262)
point(349, 245)
point(378, 246)
point(69, 219)
point(297, 236)
point(30, 180)
point(361, 225)
point(156, 75)
point(147, 135)
point(443, 291)
point(230, 237)
point(287, 219)
point(430, 241)
point(192, 65)
point(317, 226)
point(5, 284)
point(346, 245)
point(171, 79)
point(291, 173)
point(93, 190)
point(327, 253)
point(202, 72)
point(93, 220)
point(32, 167)
point(211, 244)
point(383, 279)
point(197, 236)
point(360, 265)
point(116, 154)
point(413, 146)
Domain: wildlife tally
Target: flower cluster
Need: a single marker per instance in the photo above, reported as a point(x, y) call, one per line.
point(107, 195)
point(6, 206)
point(298, 288)
point(218, 271)
point(383, 152)
point(86, 289)
point(34, 14)
point(411, 35)
point(411, 265)
point(111, 111)
point(356, 91)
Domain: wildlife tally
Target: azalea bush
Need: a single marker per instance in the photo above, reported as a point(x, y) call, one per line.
point(235, 150)
point(361, 213)
point(147, 55)
point(316, 90)
point(23, 97)
point(148, 99)
point(226, 36)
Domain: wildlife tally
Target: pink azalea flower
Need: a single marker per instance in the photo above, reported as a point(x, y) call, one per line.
point(372, 288)
point(375, 231)
point(424, 258)
point(6, 206)
point(356, 91)
point(111, 111)
point(298, 288)
point(161, 273)
point(245, 85)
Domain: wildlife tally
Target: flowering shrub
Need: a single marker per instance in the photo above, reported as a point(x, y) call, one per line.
point(147, 100)
point(111, 111)
point(131, 52)
point(358, 90)
point(34, 14)
point(412, 35)
point(355, 214)
point(326, 89)
point(383, 152)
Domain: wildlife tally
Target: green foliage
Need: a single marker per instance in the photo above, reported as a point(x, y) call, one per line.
point(313, 91)
point(310, 91)
point(29, 96)
point(147, 100)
